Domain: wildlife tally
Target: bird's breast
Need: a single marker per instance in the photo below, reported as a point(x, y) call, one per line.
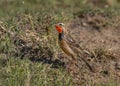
point(65, 47)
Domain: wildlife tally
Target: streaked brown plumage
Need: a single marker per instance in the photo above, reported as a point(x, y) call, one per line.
point(69, 47)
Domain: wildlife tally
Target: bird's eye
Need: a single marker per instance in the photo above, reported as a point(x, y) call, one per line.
point(61, 24)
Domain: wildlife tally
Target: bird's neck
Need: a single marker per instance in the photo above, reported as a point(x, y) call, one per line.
point(61, 36)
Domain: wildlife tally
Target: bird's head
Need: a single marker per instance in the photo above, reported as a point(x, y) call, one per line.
point(59, 27)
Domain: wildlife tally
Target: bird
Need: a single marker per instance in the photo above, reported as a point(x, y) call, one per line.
point(69, 46)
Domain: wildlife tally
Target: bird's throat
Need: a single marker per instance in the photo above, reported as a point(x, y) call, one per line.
point(61, 36)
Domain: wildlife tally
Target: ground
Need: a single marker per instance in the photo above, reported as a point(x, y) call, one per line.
point(102, 40)
point(29, 51)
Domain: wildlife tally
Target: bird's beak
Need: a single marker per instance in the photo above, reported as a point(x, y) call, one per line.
point(58, 28)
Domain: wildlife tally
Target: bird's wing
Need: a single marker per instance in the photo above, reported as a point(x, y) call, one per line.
point(73, 44)
point(80, 53)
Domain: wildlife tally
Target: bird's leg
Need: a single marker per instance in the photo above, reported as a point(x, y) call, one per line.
point(72, 67)
point(74, 60)
point(75, 63)
point(68, 58)
point(67, 61)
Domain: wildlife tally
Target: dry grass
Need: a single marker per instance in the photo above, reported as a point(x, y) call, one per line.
point(30, 55)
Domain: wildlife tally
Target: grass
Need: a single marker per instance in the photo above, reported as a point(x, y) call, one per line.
point(25, 73)
point(29, 41)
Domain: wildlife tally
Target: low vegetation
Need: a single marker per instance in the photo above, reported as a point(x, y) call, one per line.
point(30, 55)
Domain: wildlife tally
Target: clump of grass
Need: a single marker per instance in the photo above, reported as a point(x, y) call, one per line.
point(24, 72)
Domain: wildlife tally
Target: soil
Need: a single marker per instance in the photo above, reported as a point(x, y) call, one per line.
point(100, 35)
point(97, 33)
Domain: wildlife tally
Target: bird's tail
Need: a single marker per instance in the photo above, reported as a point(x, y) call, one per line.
point(87, 63)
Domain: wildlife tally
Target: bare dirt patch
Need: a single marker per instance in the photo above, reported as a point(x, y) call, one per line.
point(100, 35)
